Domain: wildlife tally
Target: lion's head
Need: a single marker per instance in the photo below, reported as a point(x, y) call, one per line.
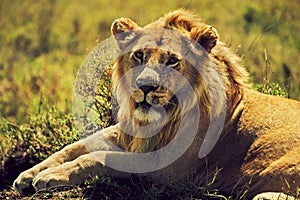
point(164, 70)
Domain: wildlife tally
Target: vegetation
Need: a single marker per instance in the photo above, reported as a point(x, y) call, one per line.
point(271, 88)
point(24, 146)
point(44, 43)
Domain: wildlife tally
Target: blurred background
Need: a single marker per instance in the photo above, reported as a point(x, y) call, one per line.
point(43, 43)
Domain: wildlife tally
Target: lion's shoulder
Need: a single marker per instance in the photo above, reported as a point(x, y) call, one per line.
point(269, 116)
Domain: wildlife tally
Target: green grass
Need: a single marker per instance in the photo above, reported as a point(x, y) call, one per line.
point(269, 87)
point(143, 188)
point(25, 145)
point(44, 43)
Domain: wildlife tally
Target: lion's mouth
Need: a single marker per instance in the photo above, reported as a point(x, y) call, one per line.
point(146, 113)
point(144, 106)
point(147, 99)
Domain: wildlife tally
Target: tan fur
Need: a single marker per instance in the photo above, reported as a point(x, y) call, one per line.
point(259, 145)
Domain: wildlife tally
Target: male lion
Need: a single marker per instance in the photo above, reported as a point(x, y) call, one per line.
point(179, 91)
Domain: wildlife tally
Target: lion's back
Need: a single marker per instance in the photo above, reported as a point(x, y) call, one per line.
point(274, 124)
point(262, 113)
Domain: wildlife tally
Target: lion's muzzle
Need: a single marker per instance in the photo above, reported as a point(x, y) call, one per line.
point(147, 80)
point(148, 84)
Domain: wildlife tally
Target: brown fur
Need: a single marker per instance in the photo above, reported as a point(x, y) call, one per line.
point(259, 145)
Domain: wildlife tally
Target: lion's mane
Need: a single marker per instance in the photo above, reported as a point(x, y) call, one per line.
point(222, 63)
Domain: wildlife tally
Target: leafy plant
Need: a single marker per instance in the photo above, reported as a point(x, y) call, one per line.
point(272, 88)
point(23, 146)
point(268, 87)
point(105, 104)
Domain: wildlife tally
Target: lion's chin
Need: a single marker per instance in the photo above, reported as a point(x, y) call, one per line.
point(145, 114)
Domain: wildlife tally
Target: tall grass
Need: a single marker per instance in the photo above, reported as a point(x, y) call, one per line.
point(269, 87)
point(44, 43)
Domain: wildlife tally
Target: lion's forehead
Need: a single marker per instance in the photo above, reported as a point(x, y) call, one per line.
point(157, 45)
point(161, 39)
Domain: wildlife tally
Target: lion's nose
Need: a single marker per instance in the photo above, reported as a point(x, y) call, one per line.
point(147, 80)
point(148, 88)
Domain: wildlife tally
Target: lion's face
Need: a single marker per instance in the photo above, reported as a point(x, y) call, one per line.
point(164, 79)
point(152, 69)
point(152, 73)
point(153, 80)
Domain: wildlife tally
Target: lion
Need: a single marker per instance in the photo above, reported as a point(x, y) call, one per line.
point(180, 89)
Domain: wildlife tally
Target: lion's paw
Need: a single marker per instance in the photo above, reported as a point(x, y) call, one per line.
point(49, 178)
point(23, 183)
point(273, 195)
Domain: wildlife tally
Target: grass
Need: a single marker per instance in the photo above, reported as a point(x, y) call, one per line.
point(142, 188)
point(269, 87)
point(26, 145)
point(45, 42)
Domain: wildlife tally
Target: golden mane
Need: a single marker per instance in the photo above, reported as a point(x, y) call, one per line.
point(228, 66)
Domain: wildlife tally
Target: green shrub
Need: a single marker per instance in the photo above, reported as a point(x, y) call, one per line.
point(105, 104)
point(272, 89)
point(269, 87)
point(24, 146)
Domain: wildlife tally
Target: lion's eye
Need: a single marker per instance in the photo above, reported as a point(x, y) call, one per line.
point(138, 55)
point(173, 61)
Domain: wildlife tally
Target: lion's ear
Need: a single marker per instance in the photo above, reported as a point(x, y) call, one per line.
point(206, 36)
point(122, 30)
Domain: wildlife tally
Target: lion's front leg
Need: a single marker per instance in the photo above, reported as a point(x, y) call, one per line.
point(24, 181)
point(98, 141)
point(76, 171)
point(105, 163)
